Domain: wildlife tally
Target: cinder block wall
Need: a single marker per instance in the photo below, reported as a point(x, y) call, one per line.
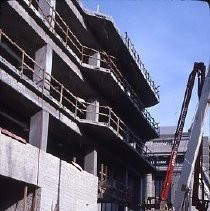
point(61, 184)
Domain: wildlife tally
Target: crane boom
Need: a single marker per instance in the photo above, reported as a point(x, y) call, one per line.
point(199, 70)
point(193, 146)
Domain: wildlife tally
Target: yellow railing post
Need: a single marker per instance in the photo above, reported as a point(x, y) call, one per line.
point(82, 56)
point(25, 197)
point(22, 63)
point(61, 95)
point(43, 82)
point(75, 114)
point(0, 35)
point(118, 126)
point(52, 17)
point(67, 35)
point(109, 117)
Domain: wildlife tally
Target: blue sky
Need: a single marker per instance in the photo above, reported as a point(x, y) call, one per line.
point(169, 37)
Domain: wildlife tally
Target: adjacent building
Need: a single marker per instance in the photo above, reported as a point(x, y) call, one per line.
point(73, 118)
point(161, 148)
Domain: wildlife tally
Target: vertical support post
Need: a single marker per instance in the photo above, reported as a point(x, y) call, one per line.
point(47, 10)
point(138, 58)
point(95, 59)
point(118, 125)
point(67, 34)
point(52, 17)
point(34, 199)
point(128, 43)
point(38, 133)
point(109, 117)
point(82, 56)
point(43, 58)
point(61, 95)
point(0, 35)
point(127, 135)
point(75, 114)
point(102, 172)
point(22, 63)
point(126, 184)
point(91, 162)
point(106, 173)
point(43, 82)
point(25, 198)
point(126, 35)
point(148, 188)
point(92, 112)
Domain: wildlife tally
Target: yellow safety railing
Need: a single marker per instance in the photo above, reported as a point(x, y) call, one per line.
point(51, 87)
point(137, 59)
point(84, 53)
point(45, 81)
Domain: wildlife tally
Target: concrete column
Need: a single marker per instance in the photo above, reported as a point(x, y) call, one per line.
point(93, 110)
point(47, 11)
point(153, 187)
point(94, 59)
point(149, 186)
point(91, 162)
point(126, 183)
point(99, 207)
point(43, 58)
point(142, 189)
point(39, 130)
point(137, 186)
point(127, 135)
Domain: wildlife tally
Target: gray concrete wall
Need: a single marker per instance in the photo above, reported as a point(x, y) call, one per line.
point(61, 184)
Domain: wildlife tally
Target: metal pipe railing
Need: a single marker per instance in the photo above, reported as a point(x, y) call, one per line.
point(46, 79)
point(137, 59)
point(51, 86)
point(109, 187)
point(107, 60)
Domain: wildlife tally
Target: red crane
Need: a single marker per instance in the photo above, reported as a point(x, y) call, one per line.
point(199, 70)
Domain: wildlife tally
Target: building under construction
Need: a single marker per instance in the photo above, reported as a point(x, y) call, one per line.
point(73, 118)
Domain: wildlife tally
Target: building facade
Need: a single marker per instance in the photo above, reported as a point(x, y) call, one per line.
point(73, 116)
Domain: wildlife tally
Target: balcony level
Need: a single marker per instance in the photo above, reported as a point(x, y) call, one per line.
point(65, 138)
point(55, 98)
point(111, 40)
point(80, 53)
point(123, 99)
point(22, 28)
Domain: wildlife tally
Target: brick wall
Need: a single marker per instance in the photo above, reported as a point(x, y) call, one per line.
point(62, 185)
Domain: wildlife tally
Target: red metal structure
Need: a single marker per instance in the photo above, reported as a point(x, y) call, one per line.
point(199, 70)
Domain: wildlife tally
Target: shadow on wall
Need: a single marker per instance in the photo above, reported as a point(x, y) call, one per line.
point(16, 195)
